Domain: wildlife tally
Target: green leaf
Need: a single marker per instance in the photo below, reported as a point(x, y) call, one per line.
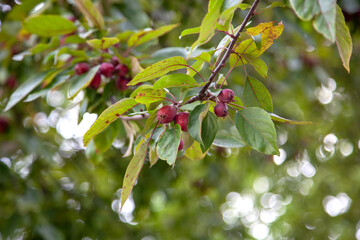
point(194, 152)
point(256, 95)
point(148, 122)
point(49, 25)
point(305, 9)
point(195, 119)
point(103, 43)
point(24, 89)
point(198, 65)
point(147, 35)
point(108, 116)
point(258, 64)
point(324, 13)
point(343, 39)
point(103, 141)
point(209, 128)
point(257, 130)
point(55, 42)
point(168, 144)
point(227, 14)
point(277, 118)
point(175, 80)
point(91, 12)
point(133, 170)
point(205, 56)
point(147, 96)
point(159, 69)
point(190, 31)
point(208, 24)
point(324, 23)
point(79, 82)
point(228, 141)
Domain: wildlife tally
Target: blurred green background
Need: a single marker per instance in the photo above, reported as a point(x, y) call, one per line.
point(49, 189)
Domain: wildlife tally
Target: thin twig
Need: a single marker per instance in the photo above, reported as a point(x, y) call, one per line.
point(202, 93)
point(227, 75)
point(194, 71)
point(136, 117)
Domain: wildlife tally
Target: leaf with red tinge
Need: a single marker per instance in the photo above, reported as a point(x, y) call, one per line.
point(277, 118)
point(159, 69)
point(133, 170)
point(108, 116)
point(147, 96)
point(103, 43)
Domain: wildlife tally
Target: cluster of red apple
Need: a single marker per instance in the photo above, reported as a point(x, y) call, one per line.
point(168, 113)
point(225, 96)
point(114, 68)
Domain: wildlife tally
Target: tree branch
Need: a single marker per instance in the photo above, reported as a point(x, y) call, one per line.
point(203, 92)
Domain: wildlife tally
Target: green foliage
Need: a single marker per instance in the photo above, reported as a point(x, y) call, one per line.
point(48, 25)
point(108, 116)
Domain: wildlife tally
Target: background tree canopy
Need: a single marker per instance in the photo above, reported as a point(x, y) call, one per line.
point(52, 187)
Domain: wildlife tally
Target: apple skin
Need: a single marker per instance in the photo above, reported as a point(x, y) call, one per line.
point(220, 109)
point(226, 95)
point(183, 120)
point(166, 114)
point(81, 68)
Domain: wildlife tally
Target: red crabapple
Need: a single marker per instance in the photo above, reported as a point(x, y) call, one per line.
point(166, 114)
point(181, 145)
point(81, 68)
point(183, 120)
point(220, 109)
point(226, 95)
point(107, 69)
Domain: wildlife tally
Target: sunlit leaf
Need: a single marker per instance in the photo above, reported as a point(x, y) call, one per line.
point(258, 64)
point(256, 95)
point(159, 69)
point(103, 43)
point(257, 130)
point(269, 32)
point(133, 170)
point(175, 80)
point(24, 89)
point(108, 116)
point(91, 12)
point(190, 31)
point(147, 35)
point(147, 96)
point(194, 152)
point(49, 25)
point(208, 24)
point(343, 39)
point(168, 144)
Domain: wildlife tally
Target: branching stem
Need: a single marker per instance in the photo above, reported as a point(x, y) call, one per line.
point(202, 94)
